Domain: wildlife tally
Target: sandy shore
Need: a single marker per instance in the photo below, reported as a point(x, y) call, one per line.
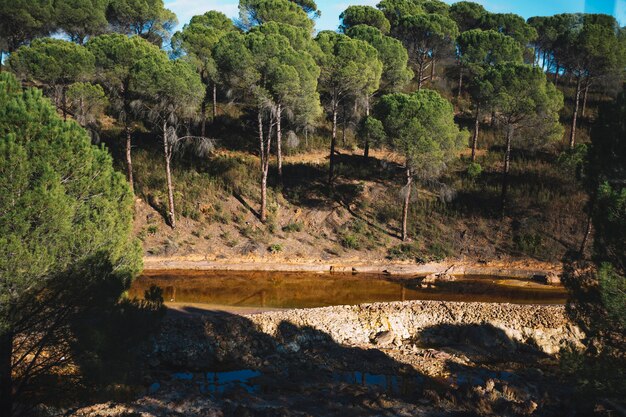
point(510, 268)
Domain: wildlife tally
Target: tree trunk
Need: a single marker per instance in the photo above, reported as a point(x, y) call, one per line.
point(556, 75)
point(333, 139)
point(203, 113)
point(214, 100)
point(507, 167)
point(407, 199)
point(585, 97)
point(420, 75)
point(432, 70)
point(475, 135)
point(343, 126)
point(572, 136)
point(366, 150)
point(170, 190)
point(262, 213)
point(129, 161)
point(6, 381)
point(458, 93)
point(64, 102)
point(1, 60)
point(279, 139)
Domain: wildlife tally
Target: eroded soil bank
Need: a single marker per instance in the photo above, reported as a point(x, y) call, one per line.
point(414, 358)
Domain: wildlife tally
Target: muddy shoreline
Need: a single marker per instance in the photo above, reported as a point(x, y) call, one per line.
point(510, 268)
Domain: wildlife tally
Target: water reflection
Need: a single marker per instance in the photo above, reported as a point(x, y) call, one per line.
point(301, 290)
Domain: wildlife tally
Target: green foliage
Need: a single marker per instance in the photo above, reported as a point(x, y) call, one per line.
point(53, 62)
point(613, 293)
point(391, 53)
point(421, 127)
point(467, 14)
point(363, 15)
point(426, 36)
point(348, 67)
point(371, 131)
point(87, 103)
point(146, 18)
point(474, 169)
point(80, 19)
point(478, 48)
point(62, 202)
point(350, 241)
point(293, 227)
point(275, 248)
point(524, 99)
point(256, 12)
point(509, 24)
point(24, 20)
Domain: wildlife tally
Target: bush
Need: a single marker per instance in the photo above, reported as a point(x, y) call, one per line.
point(474, 170)
point(293, 227)
point(350, 241)
point(275, 248)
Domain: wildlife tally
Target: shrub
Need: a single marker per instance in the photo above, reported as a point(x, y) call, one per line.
point(293, 227)
point(275, 248)
point(474, 170)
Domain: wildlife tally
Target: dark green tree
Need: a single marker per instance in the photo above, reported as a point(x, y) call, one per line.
point(115, 58)
point(80, 19)
point(24, 20)
point(589, 50)
point(426, 37)
point(256, 12)
point(87, 103)
point(168, 92)
point(364, 15)
point(467, 15)
point(421, 127)
point(65, 229)
point(197, 40)
point(509, 24)
point(477, 50)
point(524, 101)
point(146, 18)
point(55, 64)
point(349, 68)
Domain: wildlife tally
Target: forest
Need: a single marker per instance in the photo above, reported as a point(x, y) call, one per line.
point(418, 131)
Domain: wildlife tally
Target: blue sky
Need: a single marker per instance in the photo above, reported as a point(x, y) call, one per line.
point(331, 9)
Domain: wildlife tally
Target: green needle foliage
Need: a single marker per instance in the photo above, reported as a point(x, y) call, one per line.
point(349, 68)
point(81, 19)
point(523, 101)
point(421, 127)
point(364, 15)
point(55, 63)
point(65, 229)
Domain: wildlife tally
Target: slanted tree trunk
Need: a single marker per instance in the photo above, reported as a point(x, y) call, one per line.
point(587, 83)
point(475, 135)
point(507, 167)
point(333, 140)
point(458, 93)
point(6, 380)
point(407, 200)
point(366, 150)
point(214, 100)
point(279, 139)
point(572, 136)
point(420, 74)
point(129, 161)
point(167, 151)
